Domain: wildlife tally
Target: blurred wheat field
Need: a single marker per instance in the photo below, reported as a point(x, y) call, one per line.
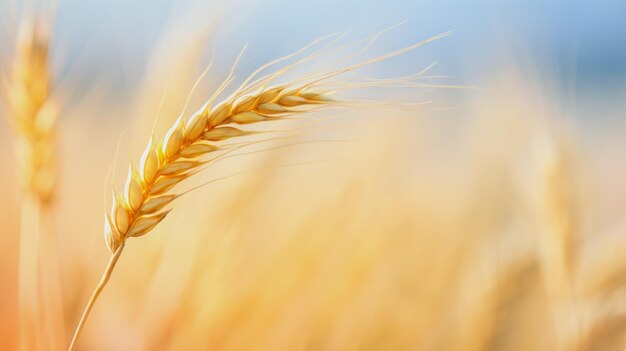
point(494, 225)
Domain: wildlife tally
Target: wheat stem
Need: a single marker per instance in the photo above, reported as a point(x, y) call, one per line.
point(28, 272)
point(33, 111)
point(96, 293)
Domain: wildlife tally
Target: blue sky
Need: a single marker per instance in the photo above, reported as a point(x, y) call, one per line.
point(583, 38)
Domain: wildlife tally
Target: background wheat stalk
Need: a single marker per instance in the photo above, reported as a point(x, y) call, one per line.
point(556, 216)
point(189, 144)
point(33, 114)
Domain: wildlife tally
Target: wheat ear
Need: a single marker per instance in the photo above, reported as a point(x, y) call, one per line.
point(143, 203)
point(555, 209)
point(33, 114)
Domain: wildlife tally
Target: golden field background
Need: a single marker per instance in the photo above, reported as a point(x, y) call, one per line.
point(495, 224)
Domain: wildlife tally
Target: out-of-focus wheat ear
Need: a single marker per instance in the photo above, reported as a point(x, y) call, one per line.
point(33, 111)
point(552, 204)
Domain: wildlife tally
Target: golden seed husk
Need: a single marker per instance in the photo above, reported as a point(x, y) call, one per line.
point(247, 118)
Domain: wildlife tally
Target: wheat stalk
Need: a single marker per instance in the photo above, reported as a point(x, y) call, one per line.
point(165, 163)
point(555, 213)
point(33, 114)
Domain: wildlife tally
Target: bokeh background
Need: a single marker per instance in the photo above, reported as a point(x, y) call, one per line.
point(491, 218)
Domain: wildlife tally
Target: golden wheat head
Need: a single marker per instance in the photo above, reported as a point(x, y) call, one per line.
point(141, 205)
point(33, 113)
